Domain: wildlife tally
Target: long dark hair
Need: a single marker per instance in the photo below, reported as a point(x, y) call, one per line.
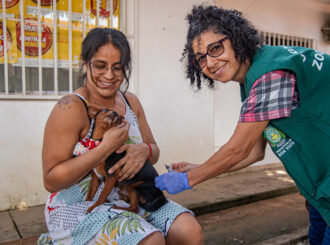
point(243, 36)
point(98, 37)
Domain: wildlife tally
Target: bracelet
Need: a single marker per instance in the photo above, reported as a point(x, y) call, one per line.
point(149, 149)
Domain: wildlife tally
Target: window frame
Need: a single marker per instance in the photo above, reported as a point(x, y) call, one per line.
point(40, 93)
point(278, 39)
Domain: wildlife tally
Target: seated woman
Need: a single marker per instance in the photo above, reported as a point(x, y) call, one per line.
point(106, 61)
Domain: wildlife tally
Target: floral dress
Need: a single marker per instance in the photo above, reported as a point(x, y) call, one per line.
point(65, 210)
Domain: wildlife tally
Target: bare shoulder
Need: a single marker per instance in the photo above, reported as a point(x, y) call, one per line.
point(131, 97)
point(68, 102)
point(68, 111)
point(134, 102)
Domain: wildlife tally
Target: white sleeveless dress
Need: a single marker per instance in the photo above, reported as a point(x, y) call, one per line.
point(68, 222)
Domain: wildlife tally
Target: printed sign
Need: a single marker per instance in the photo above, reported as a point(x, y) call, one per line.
point(12, 8)
point(9, 3)
point(11, 43)
point(31, 41)
point(105, 7)
point(31, 38)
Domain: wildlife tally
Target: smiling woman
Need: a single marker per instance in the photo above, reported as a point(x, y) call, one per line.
point(100, 67)
point(280, 86)
point(222, 23)
point(104, 70)
point(70, 155)
point(213, 50)
point(219, 60)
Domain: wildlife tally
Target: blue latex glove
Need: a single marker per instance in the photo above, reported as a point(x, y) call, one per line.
point(172, 182)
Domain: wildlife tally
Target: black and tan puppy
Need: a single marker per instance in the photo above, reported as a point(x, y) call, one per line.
point(138, 190)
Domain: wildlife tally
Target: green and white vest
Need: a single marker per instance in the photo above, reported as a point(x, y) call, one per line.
point(301, 141)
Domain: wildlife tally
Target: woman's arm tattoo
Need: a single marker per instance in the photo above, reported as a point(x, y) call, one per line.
point(65, 102)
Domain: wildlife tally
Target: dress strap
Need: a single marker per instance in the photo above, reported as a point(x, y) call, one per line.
point(82, 98)
point(91, 121)
point(125, 99)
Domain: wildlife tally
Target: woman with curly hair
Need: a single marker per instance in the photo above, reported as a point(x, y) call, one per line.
point(284, 91)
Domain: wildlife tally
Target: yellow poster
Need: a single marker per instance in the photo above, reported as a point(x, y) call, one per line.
point(104, 12)
point(31, 39)
point(12, 8)
point(61, 5)
point(11, 42)
point(30, 11)
point(63, 45)
point(47, 43)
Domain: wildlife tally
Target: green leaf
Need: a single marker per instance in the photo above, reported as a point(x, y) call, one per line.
point(134, 225)
point(123, 228)
point(85, 190)
point(130, 226)
point(139, 226)
point(112, 226)
point(120, 221)
point(85, 182)
point(106, 226)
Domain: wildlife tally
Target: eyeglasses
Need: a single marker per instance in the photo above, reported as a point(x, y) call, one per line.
point(214, 50)
point(100, 67)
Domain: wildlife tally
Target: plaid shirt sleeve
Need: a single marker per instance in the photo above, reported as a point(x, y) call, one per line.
point(272, 96)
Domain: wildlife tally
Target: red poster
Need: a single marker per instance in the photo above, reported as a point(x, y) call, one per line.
point(9, 3)
point(105, 6)
point(9, 40)
point(31, 38)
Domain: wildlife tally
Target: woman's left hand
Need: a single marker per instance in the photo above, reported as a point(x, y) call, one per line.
point(132, 162)
point(172, 182)
point(182, 167)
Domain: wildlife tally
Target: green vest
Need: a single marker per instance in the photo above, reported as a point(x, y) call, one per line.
point(301, 141)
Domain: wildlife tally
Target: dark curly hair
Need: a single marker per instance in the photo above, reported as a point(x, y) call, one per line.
point(98, 37)
point(243, 36)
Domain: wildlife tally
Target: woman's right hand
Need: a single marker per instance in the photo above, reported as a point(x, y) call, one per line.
point(116, 136)
point(182, 167)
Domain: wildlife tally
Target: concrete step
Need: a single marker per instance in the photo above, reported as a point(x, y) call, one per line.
point(242, 187)
point(223, 192)
point(298, 237)
point(271, 221)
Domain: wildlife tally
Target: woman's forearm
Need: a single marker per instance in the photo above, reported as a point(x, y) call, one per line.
point(219, 163)
point(257, 154)
point(238, 152)
point(245, 163)
point(69, 172)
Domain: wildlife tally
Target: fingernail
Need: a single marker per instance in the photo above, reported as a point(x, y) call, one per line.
point(110, 171)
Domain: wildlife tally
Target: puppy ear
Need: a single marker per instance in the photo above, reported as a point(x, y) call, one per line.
point(106, 124)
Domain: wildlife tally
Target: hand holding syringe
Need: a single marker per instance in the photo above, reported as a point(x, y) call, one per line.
point(168, 167)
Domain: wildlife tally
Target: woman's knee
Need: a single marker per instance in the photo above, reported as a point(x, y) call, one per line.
point(153, 238)
point(185, 230)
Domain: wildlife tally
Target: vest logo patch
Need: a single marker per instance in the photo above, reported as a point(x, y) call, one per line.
point(279, 142)
point(273, 135)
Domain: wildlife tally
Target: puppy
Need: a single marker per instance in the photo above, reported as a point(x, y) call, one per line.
point(138, 190)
